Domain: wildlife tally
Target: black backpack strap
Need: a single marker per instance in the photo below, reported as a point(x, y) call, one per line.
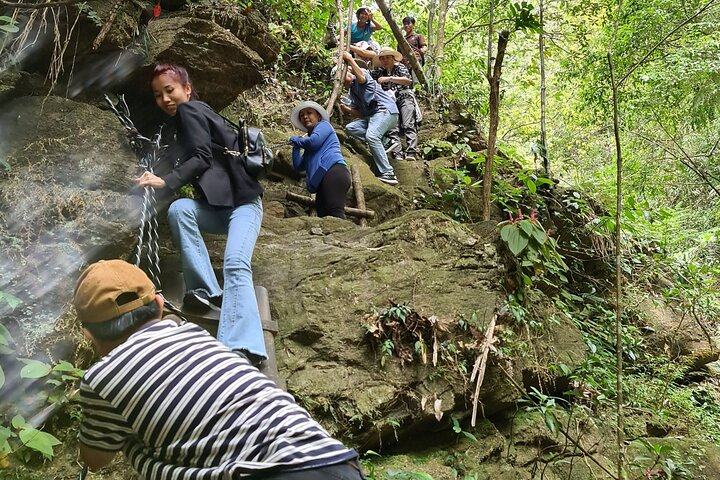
point(241, 128)
point(241, 121)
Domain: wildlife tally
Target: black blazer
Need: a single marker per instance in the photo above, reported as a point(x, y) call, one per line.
point(220, 181)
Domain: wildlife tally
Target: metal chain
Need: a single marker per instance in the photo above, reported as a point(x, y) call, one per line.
point(148, 153)
point(153, 246)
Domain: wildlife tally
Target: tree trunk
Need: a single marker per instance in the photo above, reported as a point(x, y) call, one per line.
point(402, 43)
point(494, 81)
point(618, 275)
point(543, 132)
point(431, 41)
point(440, 40)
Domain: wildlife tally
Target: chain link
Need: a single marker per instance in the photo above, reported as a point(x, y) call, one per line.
point(148, 154)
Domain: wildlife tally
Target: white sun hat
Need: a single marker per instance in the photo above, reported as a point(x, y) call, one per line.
point(295, 115)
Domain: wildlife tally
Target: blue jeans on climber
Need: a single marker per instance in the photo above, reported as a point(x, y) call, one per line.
point(240, 325)
point(371, 129)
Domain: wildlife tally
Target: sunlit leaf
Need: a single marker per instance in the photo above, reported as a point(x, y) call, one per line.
point(9, 28)
point(39, 441)
point(11, 300)
point(505, 231)
point(526, 227)
point(18, 421)
point(34, 368)
point(539, 235)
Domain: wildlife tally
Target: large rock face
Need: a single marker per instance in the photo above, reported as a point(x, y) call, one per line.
point(221, 65)
point(325, 276)
point(63, 201)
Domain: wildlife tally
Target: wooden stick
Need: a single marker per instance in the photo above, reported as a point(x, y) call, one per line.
point(480, 365)
point(341, 66)
point(359, 194)
point(309, 202)
point(106, 26)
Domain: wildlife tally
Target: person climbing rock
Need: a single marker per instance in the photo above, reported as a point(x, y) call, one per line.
point(326, 172)
point(229, 201)
point(375, 112)
point(361, 43)
point(395, 77)
point(181, 405)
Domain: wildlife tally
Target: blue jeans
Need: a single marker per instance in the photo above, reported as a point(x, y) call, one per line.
point(371, 130)
point(240, 324)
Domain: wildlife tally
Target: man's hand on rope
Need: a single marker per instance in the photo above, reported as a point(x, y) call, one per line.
point(148, 179)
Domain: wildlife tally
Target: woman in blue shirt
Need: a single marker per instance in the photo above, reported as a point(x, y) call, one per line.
point(326, 172)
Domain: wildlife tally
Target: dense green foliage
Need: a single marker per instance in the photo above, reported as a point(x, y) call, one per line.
point(665, 57)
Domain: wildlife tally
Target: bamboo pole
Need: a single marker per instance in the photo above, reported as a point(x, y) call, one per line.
point(359, 194)
point(309, 202)
point(341, 66)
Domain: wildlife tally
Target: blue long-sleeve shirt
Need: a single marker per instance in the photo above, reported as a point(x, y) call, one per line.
point(322, 151)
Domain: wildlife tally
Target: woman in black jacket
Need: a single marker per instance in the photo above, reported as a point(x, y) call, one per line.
point(229, 201)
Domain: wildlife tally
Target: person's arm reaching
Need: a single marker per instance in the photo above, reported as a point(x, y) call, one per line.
point(356, 70)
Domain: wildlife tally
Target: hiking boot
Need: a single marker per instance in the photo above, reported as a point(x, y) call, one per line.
point(392, 148)
point(388, 178)
point(410, 158)
point(398, 156)
point(200, 301)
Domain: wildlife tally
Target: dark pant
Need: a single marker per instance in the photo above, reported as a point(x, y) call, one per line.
point(407, 125)
point(345, 471)
point(330, 197)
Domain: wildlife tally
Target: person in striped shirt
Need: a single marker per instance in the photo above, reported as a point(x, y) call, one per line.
point(179, 404)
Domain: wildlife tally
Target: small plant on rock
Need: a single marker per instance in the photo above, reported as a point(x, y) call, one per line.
point(18, 436)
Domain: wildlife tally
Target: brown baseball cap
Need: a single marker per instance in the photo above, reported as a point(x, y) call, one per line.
point(109, 288)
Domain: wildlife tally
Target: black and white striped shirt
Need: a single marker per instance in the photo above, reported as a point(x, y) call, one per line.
point(182, 406)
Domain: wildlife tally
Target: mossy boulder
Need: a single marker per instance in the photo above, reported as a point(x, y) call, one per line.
point(64, 201)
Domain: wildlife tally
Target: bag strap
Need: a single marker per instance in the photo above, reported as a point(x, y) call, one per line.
point(242, 130)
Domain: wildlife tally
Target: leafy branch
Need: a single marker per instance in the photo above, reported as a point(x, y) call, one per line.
point(637, 64)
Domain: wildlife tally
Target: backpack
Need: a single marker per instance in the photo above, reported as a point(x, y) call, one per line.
point(254, 152)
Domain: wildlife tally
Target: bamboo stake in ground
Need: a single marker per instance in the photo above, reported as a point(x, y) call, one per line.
point(359, 194)
point(481, 364)
point(309, 202)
